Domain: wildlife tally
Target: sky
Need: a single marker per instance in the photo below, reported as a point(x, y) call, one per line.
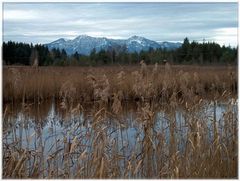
point(46, 22)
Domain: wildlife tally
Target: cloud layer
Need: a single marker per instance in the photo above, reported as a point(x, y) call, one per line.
point(46, 22)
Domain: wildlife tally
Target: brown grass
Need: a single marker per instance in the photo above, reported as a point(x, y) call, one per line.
point(130, 83)
point(97, 145)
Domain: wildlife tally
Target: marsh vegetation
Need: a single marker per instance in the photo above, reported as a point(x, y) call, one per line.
point(120, 122)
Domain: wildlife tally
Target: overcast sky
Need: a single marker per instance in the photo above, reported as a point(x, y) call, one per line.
point(46, 22)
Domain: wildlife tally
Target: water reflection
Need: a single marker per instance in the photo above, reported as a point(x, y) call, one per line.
point(49, 132)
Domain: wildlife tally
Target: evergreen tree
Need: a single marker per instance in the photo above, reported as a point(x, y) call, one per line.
point(189, 53)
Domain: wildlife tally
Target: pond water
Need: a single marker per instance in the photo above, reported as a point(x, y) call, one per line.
point(46, 131)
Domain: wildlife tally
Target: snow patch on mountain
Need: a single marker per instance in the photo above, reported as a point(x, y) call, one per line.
point(84, 44)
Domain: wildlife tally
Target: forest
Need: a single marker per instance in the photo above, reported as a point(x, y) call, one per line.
point(190, 53)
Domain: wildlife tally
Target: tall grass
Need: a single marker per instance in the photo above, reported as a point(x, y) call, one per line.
point(174, 129)
point(131, 82)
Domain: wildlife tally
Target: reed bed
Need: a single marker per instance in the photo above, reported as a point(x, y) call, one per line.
point(120, 122)
point(132, 82)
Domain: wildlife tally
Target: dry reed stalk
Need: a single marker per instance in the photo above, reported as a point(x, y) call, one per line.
point(48, 82)
point(189, 149)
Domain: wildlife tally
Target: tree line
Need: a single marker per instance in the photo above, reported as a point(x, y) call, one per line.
point(188, 53)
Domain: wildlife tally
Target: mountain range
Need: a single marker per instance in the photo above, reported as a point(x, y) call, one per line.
point(85, 44)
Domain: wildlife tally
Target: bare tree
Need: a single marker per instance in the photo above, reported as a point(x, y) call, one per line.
point(34, 58)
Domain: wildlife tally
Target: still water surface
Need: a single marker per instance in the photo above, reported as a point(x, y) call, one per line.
point(45, 129)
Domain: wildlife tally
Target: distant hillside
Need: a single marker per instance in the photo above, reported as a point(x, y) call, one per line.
point(84, 44)
point(123, 52)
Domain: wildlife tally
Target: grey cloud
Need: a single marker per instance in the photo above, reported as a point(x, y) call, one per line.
point(157, 21)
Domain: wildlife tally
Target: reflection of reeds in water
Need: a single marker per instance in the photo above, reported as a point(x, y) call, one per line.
point(103, 150)
point(74, 140)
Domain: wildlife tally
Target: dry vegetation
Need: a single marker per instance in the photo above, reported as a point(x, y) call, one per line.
point(130, 83)
point(97, 143)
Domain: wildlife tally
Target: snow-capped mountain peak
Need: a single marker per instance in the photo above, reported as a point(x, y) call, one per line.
point(137, 39)
point(84, 44)
point(60, 40)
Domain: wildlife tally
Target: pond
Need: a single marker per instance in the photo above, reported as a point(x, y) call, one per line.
point(61, 144)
